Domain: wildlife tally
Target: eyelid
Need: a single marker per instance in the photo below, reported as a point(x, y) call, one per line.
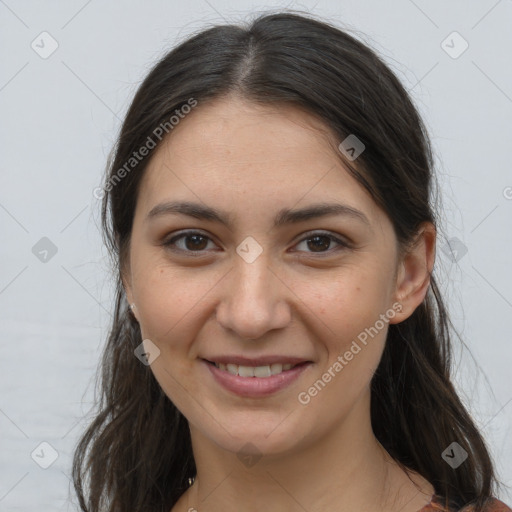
point(322, 232)
point(342, 242)
point(169, 242)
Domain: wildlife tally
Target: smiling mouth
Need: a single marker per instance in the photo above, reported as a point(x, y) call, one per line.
point(255, 371)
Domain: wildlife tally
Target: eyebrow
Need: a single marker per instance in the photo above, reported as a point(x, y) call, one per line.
point(284, 216)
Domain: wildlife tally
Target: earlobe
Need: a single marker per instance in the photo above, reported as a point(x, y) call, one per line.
point(413, 276)
point(129, 296)
point(133, 308)
point(127, 291)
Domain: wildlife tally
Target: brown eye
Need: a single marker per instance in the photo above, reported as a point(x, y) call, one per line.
point(322, 243)
point(191, 241)
point(319, 243)
point(194, 243)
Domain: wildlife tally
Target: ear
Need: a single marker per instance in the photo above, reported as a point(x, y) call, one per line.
point(127, 288)
point(126, 282)
point(413, 275)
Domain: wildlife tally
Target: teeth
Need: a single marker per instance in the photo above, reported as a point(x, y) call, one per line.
point(254, 371)
point(233, 369)
point(262, 371)
point(276, 368)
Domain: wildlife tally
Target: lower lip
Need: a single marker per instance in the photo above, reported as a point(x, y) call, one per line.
point(256, 387)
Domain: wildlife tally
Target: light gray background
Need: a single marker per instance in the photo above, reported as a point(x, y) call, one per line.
point(60, 116)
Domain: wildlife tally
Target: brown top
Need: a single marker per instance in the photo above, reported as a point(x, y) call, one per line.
point(493, 506)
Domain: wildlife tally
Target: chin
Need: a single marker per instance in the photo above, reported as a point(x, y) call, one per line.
point(249, 436)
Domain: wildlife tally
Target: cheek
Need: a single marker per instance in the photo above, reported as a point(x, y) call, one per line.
point(357, 334)
point(352, 349)
point(166, 301)
point(173, 305)
point(349, 314)
point(350, 301)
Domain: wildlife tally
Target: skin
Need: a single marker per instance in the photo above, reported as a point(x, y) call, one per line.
point(296, 298)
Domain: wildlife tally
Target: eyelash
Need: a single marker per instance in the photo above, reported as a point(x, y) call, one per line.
point(171, 243)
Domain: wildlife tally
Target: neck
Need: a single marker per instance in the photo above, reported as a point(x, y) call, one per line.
point(347, 469)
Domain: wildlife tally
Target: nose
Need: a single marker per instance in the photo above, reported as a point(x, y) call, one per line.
point(254, 300)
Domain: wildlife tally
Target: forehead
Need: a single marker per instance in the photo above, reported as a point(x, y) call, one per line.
point(236, 154)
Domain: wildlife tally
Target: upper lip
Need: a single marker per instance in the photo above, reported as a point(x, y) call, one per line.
point(256, 361)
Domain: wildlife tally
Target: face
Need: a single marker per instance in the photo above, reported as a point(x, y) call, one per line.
point(261, 284)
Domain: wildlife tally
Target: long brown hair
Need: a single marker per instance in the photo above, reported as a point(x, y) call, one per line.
point(136, 455)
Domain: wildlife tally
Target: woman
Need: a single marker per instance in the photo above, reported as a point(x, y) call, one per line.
point(279, 341)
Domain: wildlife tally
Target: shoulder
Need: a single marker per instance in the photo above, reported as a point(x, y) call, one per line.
point(493, 505)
